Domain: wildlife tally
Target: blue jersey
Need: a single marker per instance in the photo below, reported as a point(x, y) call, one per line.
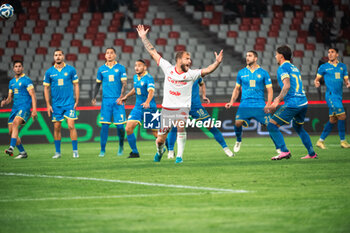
point(61, 82)
point(196, 99)
point(111, 78)
point(334, 76)
point(20, 87)
point(142, 85)
point(253, 83)
point(296, 95)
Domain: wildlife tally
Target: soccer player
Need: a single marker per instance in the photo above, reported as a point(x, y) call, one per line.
point(253, 80)
point(144, 90)
point(178, 83)
point(294, 108)
point(21, 91)
point(334, 74)
point(62, 81)
point(112, 75)
point(199, 113)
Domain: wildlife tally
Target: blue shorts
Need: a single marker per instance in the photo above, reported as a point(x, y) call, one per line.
point(335, 105)
point(59, 113)
point(285, 114)
point(245, 114)
point(199, 113)
point(137, 114)
point(110, 109)
point(23, 113)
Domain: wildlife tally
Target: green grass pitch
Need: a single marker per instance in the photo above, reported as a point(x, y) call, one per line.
point(41, 194)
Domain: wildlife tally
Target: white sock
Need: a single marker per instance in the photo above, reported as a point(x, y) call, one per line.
point(181, 142)
point(160, 148)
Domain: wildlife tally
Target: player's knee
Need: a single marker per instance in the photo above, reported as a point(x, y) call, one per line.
point(271, 126)
point(129, 130)
point(297, 127)
point(333, 120)
point(342, 117)
point(238, 123)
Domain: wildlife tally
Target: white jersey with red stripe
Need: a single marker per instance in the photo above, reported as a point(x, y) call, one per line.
point(177, 85)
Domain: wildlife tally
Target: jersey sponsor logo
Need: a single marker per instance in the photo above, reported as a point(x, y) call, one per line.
point(171, 72)
point(245, 76)
point(184, 77)
point(104, 71)
point(175, 93)
point(53, 75)
point(329, 69)
point(176, 82)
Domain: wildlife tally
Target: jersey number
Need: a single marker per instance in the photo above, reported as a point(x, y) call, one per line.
point(337, 75)
point(298, 82)
point(138, 91)
point(252, 83)
point(60, 82)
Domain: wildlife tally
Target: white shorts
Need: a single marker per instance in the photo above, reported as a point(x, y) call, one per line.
point(171, 117)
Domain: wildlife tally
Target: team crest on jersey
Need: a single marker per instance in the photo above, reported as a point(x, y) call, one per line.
point(341, 68)
point(20, 84)
point(66, 74)
point(101, 118)
point(116, 70)
point(171, 72)
point(185, 77)
point(259, 76)
point(142, 83)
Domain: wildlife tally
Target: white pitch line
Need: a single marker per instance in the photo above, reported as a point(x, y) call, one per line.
point(128, 182)
point(107, 197)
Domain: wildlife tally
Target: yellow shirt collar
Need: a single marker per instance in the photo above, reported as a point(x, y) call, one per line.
point(285, 62)
point(112, 65)
point(22, 75)
point(142, 75)
point(251, 70)
point(59, 69)
point(336, 63)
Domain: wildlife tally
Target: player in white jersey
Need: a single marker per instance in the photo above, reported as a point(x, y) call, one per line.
point(178, 83)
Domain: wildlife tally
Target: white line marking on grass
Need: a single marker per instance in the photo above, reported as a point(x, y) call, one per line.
point(109, 197)
point(128, 182)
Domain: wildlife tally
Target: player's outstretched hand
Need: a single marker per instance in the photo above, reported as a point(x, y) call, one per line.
point(228, 105)
point(93, 102)
point(317, 83)
point(267, 108)
point(75, 105)
point(49, 110)
point(3, 103)
point(120, 101)
point(145, 105)
point(206, 100)
point(141, 31)
point(219, 56)
point(348, 84)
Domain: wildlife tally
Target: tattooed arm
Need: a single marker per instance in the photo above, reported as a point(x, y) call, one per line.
point(283, 93)
point(149, 47)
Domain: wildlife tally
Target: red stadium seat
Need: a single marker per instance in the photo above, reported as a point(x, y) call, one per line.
point(246, 21)
point(294, 27)
point(131, 35)
point(41, 50)
point(260, 40)
point(319, 14)
point(310, 47)
point(298, 53)
point(161, 41)
point(299, 14)
point(25, 36)
point(119, 42)
point(179, 47)
point(76, 43)
point(90, 36)
point(303, 33)
point(276, 22)
point(11, 44)
point(117, 15)
point(55, 43)
point(157, 21)
point(41, 23)
point(17, 57)
point(71, 57)
point(215, 21)
point(101, 56)
point(97, 16)
point(113, 28)
point(92, 30)
point(174, 35)
point(274, 27)
point(301, 40)
point(55, 16)
point(297, 21)
point(17, 30)
point(94, 23)
point(57, 36)
point(76, 16)
point(279, 15)
point(209, 8)
point(168, 21)
point(139, 15)
point(205, 21)
point(101, 36)
point(38, 30)
point(71, 29)
point(84, 49)
point(244, 27)
point(306, 8)
point(127, 49)
point(256, 21)
point(255, 27)
point(232, 34)
point(2, 51)
point(273, 34)
point(259, 47)
point(98, 42)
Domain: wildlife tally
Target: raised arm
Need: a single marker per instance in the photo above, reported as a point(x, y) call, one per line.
point(149, 47)
point(235, 94)
point(212, 67)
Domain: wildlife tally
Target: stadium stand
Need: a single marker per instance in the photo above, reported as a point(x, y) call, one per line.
point(84, 36)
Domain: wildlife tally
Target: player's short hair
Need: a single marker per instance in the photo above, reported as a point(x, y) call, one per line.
point(334, 48)
point(17, 61)
point(253, 52)
point(58, 50)
point(285, 51)
point(142, 61)
point(180, 54)
point(112, 49)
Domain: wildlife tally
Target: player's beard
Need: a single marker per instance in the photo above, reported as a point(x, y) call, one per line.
point(184, 68)
point(250, 64)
